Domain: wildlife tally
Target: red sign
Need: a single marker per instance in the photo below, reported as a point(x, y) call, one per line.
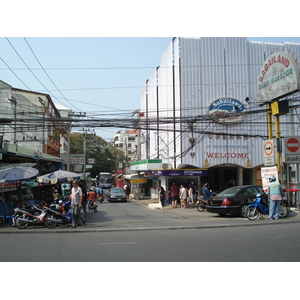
point(268, 148)
point(292, 145)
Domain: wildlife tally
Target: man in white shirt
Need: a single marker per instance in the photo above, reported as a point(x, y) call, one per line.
point(76, 203)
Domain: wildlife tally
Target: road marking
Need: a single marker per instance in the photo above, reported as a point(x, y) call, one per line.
point(120, 243)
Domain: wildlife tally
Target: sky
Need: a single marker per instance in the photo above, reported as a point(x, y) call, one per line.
point(101, 76)
point(96, 60)
point(93, 75)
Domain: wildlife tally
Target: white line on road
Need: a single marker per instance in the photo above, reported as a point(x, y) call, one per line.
point(120, 243)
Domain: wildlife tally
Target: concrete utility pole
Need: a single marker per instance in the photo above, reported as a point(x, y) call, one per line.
point(43, 111)
point(14, 102)
point(137, 112)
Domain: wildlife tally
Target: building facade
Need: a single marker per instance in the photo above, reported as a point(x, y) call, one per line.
point(201, 108)
point(30, 120)
point(129, 142)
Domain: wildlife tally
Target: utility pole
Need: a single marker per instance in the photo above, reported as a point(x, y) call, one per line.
point(43, 111)
point(137, 112)
point(80, 114)
point(14, 102)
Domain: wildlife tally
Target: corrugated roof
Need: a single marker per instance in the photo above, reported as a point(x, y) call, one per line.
point(22, 151)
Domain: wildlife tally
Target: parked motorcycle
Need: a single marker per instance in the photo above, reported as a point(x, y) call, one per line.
point(23, 217)
point(62, 215)
point(261, 206)
point(201, 204)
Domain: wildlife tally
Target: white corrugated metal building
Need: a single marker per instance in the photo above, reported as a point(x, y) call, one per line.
point(181, 101)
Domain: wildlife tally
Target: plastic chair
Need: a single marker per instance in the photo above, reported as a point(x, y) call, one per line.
point(9, 220)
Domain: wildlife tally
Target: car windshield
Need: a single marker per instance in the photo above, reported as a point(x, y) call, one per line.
point(116, 190)
point(229, 192)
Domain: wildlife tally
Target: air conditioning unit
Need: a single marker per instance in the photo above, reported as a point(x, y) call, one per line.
point(166, 166)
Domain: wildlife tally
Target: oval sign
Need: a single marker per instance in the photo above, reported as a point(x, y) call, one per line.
point(226, 110)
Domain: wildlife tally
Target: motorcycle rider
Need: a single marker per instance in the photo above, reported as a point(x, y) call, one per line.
point(275, 197)
point(206, 191)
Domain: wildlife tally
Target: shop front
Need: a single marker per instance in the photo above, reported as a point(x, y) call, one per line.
point(183, 177)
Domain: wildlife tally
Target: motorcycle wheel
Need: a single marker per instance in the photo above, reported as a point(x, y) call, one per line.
point(283, 210)
point(200, 206)
point(49, 223)
point(21, 224)
point(80, 222)
point(252, 213)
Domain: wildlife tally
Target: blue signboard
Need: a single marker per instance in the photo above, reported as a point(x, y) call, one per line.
point(226, 110)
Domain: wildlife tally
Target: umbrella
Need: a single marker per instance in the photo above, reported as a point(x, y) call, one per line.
point(18, 173)
point(58, 176)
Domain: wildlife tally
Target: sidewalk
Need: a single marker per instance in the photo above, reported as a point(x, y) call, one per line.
point(167, 219)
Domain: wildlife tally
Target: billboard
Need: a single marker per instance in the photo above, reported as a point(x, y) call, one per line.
point(279, 76)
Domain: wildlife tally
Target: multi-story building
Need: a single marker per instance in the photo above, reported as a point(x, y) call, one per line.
point(129, 142)
point(31, 120)
point(204, 107)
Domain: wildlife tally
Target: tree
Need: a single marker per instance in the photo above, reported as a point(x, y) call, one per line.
point(96, 148)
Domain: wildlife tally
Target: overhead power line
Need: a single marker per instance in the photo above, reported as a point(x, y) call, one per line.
point(48, 75)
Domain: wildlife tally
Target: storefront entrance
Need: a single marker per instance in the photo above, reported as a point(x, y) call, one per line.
point(220, 178)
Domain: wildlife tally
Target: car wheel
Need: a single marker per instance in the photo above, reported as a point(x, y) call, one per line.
point(243, 210)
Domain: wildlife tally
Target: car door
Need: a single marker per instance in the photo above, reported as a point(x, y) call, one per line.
point(250, 194)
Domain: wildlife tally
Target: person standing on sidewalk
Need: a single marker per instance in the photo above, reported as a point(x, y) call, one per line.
point(182, 196)
point(275, 197)
point(162, 197)
point(76, 203)
point(84, 201)
point(174, 193)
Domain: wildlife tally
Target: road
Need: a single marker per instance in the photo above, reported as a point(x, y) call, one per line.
point(131, 232)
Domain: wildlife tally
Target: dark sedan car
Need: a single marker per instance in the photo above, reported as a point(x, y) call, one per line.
point(234, 200)
point(117, 194)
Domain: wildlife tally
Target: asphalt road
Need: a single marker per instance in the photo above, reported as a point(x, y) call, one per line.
point(131, 232)
point(274, 243)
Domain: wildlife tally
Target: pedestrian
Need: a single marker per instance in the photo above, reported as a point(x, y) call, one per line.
point(127, 190)
point(206, 191)
point(190, 198)
point(182, 196)
point(275, 196)
point(84, 201)
point(162, 197)
point(76, 203)
point(231, 182)
point(47, 195)
point(194, 187)
point(174, 193)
